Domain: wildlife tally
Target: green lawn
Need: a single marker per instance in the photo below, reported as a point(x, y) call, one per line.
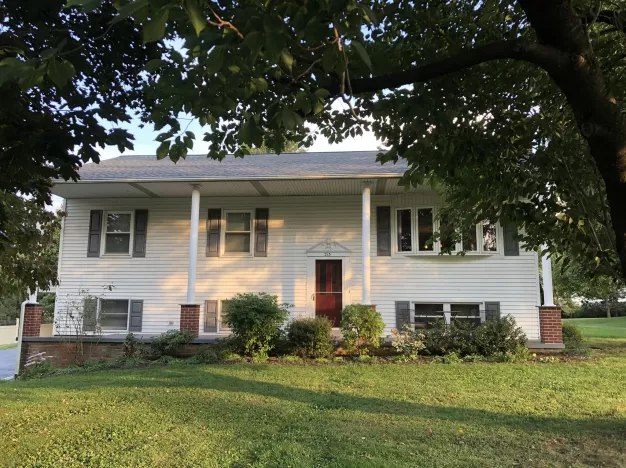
point(601, 327)
point(551, 414)
point(8, 346)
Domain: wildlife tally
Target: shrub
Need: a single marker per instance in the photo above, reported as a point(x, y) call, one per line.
point(572, 336)
point(459, 337)
point(310, 337)
point(449, 358)
point(361, 326)
point(132, 346)
point(255, 320)
point(499, 336)
point(408, 342)
point(170, 342)
point(489, 339)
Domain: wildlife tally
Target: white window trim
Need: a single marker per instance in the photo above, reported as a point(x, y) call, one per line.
point(224, 232)
point(99, 310)
point(104, 233)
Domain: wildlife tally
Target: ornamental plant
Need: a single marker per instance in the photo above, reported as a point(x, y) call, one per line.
point(361, 326)
point(255, 320)
point(310, 337)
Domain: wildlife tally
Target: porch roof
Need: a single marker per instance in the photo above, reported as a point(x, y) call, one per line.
point(331, 173)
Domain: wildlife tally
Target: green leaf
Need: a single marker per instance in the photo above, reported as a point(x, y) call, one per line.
point(289, 118)
point(196, 17)
point(162, 150)
point(128, 10)
point(154, 29)
point(155, 64)
point(60, 72)
point(83, 3)
point(287, 59)
point(362, 53)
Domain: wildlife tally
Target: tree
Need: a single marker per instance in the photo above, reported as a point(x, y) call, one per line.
point(575, 283)
point(288, 147)
point(67, 78)
point(515, 108)
point(29, 246)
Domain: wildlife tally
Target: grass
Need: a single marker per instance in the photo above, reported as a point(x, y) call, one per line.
point(556, 414)
point(601, 327)
point(8, 346)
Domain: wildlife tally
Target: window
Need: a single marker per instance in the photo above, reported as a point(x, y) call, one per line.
point(490, 242)
point(469, 240)
point(113, 314)
point(405, 242)
point(222, 325)
point(466, 312)
point(425, 229)
point(238, 232)
point(425, 313)
point(117, 233)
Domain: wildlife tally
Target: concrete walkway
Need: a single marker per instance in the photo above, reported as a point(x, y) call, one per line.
point(7, 362)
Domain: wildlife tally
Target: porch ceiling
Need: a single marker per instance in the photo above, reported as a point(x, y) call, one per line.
point(230, 188)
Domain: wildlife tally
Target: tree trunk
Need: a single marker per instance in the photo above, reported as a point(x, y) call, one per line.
point(597, 114)
point(608, 309)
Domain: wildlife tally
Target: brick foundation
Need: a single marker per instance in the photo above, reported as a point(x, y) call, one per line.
point(66, 351)
point(32, 319)
point(190, 318)
point(550, 324)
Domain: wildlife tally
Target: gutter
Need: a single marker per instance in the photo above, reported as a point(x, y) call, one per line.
point(240, 179)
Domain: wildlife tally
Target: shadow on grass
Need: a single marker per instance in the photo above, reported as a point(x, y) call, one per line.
point(335, 400)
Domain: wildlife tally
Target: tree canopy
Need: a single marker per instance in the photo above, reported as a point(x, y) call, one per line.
point(514, 108)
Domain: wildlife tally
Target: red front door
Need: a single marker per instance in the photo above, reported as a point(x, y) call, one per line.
point(328, 290)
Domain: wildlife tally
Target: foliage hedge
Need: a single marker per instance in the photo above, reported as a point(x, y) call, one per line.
point(465, 339)
point(255, 320)
point(361, 326)
point(310, 337)
point(597, 310)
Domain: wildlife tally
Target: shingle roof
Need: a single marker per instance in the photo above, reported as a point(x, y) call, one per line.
point(260, 166)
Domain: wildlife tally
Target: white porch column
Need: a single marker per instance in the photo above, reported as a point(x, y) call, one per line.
point(546, 266)
point(193, 245)
point(366, 244)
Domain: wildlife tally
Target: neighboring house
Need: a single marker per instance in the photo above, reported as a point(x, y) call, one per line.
point(319, 230)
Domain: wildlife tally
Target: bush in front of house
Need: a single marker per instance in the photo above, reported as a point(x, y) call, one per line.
point(255, 321)
point(572, 336)
point(459, 337)
point(361, 326)
point(492, 338)
point(499, 336)
point(170, 342)
point(408, 342)
point(310, 337)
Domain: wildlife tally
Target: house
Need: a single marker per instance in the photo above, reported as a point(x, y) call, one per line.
point(148, 246)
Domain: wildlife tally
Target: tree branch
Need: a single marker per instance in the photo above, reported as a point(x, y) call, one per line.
point(545, 57)
point(612, 17)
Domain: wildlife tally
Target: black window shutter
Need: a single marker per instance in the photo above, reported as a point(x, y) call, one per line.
point(492, 310)
point(136, 316)
point(95, 232)
point(210, 316)
point(511, 245)
point(141, 232)
point(261, 230)
point(403, 313)
point(383, 231)
point(213, 222)
point(90, 311)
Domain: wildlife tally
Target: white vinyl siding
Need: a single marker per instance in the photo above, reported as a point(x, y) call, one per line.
point(296, 224)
